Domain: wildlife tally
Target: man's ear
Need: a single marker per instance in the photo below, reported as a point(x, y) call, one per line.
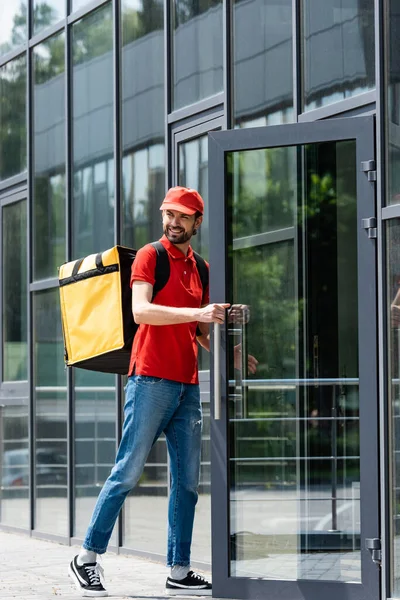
point(198, 221)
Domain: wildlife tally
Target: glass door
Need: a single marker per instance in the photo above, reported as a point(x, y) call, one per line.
point(294, 428)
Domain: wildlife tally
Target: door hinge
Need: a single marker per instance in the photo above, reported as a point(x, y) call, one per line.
point(369, 167)
point(370, 226)
point(374, 546)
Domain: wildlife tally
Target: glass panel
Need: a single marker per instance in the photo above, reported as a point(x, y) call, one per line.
point(393, 292)
point(193, 172)
point(13, 30)
point(393, 103)
point(13, 118)
point(77, 4)
point(262, 46)
point(49, 157)
point(15, 349)
point(14, 457)
point(294, 424)
point(197, 51)
point(339, 50)
point(93, 119)
point(51, 508)
point(95, 416)
point(47, 13)
point(143, 129)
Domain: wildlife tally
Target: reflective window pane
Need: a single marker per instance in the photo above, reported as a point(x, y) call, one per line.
point(263, 62)
point(142, 121)
point(77, 4)
point(13, 30)
point(14, 457)
point(13, 118)
point(14, 286)
point(393, 295)
point(197, 50)
point(49, 157)
point(143, 169)
point(47, 13)
point(393, 103)
point(93, 126)
point(51, 508)
point(338, 50)
point(95, 444)
point(294, 424)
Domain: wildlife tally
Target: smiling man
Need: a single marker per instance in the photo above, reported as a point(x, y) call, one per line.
point(162, 395)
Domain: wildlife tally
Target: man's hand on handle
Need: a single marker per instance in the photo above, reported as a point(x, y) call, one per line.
point(213, 313)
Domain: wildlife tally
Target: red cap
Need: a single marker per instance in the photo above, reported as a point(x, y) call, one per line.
point(185, 200)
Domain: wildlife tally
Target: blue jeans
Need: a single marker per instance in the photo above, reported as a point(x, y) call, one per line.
point(154, 406)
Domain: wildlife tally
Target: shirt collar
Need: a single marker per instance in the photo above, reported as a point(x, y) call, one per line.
point(174, 251)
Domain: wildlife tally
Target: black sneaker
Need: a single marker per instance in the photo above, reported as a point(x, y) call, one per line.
point(192, 585)
point(87, 578)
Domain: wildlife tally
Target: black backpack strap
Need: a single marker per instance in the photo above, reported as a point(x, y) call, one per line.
point(202, 269)
point(162, 268)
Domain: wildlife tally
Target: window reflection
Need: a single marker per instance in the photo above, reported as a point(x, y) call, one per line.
point(14, 270)
point(143, 163)
point(339, 50)
point(13, 118)
point(51, 509)
point(47, 13)
point(262, 44)
point(197, 51)
point(13, 30)
point(93, 118)
point(49, 157)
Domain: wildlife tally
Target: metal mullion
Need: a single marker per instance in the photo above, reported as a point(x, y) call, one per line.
point(382, 9)
point(207, 104)
point(85, 10)
point(13, 54)
point(29, 246)
point(68, 78)
point(297, 54)
point(117, 48)
point(168, 74)
point(14, 197)
point(47, 33)
point(227, 63)
point(13, 182)
point(337, 108)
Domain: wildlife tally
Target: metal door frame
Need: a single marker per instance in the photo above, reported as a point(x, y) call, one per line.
point(362, 130)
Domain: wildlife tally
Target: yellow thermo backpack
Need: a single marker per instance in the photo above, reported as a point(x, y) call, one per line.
point(96, 306)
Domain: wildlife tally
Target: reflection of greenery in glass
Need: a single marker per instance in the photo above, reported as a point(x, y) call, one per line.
point(49, 153)
point(14, 292)
point(15, 36)
point(92, 36)
point(13, 118)
point(185, 10)
point(46, 13)
point(141, 18)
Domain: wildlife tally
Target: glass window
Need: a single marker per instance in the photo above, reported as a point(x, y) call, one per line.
point(14, 231)
point(338, 50)
point(263, 63)
point(95, 443)
point(142, 121)
point(93, 126)
point(197, 50)
point(51, 509)
point(47, 13)
point(13, 30)
point(77, 4)
point(49, 157)
point(393, 103)
point(143, 138)
point(13, 118)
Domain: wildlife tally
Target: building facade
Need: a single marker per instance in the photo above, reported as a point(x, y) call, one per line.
point(284, 115)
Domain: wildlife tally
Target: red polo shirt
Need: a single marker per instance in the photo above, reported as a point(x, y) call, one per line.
point(168, 351)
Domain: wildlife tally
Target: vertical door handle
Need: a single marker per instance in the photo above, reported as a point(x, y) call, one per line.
point(217, 371)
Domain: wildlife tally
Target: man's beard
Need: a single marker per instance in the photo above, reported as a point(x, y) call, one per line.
point(179, 237)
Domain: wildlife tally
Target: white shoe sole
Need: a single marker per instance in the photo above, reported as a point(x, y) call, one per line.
point(187, 592)
point(83, 592)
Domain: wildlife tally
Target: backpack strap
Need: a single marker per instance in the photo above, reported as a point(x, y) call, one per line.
point(162, 268)
point(202, 269)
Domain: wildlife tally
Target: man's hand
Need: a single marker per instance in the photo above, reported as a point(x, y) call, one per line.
point(213, 313)
point(237, 360)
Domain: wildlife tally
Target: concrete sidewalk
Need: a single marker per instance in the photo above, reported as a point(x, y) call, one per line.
point(32, 569)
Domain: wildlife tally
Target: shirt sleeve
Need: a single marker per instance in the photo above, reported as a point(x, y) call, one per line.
point(144, 265)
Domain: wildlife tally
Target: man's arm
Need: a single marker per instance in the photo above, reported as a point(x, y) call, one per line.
point(204, 337)
point(154, 314)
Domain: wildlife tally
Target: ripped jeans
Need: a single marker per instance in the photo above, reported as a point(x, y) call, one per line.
point(153, 406)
